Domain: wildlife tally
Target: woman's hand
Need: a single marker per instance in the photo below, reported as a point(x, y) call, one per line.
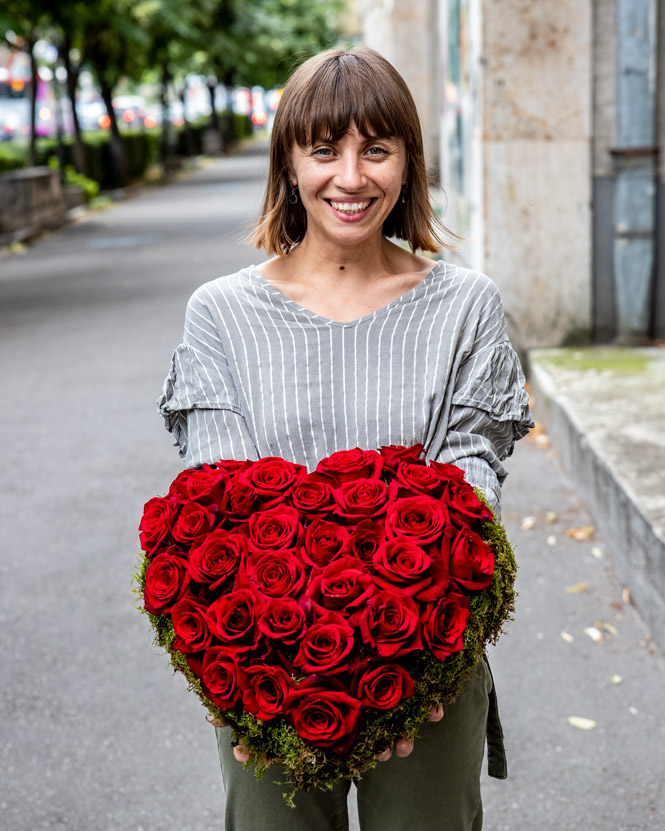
point(404, 747)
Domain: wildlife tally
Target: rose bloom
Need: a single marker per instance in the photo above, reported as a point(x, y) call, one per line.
point(344, 584)
point(464, 506)
point(265, 691)
point(383, 686)
point(158, 517)
point(395, 453)
point(447, 472)
point(323, 542)
point(390, 624)
point(418, 518)
point(363, 498)
point(312, 495)
point(217, 559)
point(365, 539)
point(326, 646)
point(403, 566)
point(282, 619)
point(272, 478)
point(166, 581)
point(242, 502)
point(193, 524)
point(232, 618)
point(323, 713)
point(275, 528)
point(207, 486)
point(221, 677)
point(445, 623)
point(471, 561)
point(276, 573)
point(347, 465)
point(419, 478)
point(190, 625)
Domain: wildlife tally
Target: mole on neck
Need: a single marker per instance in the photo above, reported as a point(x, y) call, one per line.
point(341, 268)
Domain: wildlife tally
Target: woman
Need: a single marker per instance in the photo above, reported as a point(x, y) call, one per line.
point(345, 339)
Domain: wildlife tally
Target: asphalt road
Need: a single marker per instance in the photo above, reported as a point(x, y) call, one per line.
point(95, 732)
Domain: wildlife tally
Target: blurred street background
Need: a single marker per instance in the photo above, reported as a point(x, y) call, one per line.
point(545, 133)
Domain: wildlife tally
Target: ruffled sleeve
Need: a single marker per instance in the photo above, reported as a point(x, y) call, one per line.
point(489, 413)
point(200, 406)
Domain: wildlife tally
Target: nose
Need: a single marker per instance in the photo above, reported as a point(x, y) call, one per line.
point(350, 175)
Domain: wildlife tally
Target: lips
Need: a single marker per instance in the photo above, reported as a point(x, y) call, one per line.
point(351, 208)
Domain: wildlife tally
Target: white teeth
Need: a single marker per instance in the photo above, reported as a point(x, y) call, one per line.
point(350, 207)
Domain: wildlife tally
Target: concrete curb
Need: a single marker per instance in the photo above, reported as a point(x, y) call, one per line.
point(637, 548)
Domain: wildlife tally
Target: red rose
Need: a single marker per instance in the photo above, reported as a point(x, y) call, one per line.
point(222, 678)
point(241, 504)
point(383, 686)
point(367, 536)
point(464, 507)
point(447, 472)
point(471, 561)
point(272, 478)
point(276, 573)
point(323, 542)
point(267, 687)
point(275, 528)
point(415, 478)
point(194, 522)
point(326, 646)
point(207, 486)
point(343, 585)
point(232, 618)
point(312, 496)
point(158, 517)
point(363, 498)
point(324, 714)
point(282, 619)
point(217, 559)
point(166, 581)
point(348, 465)
point(396, 453)
point(190, 625)
point(445, 623)
point(404, 566)
point(418, 518)
point(390, 624)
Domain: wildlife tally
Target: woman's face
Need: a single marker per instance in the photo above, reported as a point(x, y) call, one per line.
point(349, 187)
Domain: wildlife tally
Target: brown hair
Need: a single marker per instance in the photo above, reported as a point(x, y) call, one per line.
point(320, 100)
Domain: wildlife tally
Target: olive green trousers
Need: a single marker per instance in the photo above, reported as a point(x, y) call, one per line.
point(436, 788)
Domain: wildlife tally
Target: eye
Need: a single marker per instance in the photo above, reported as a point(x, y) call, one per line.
point(377, 151)
point(322, 152)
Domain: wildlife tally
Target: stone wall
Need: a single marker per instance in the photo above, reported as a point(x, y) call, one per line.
point(31, 200)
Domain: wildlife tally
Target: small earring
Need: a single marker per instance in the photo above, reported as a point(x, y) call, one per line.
point(404, 189)
point(293, 197)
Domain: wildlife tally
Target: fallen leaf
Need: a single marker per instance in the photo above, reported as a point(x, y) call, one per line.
point(594, 633)
point(633, 711)
point(597, 553)
point(551, 540)
point(609, 627)
point(581, 723)
point(577, 588)
point(625, 595)
point(581, 534)
point(528, 522)
point(568, 638)
point(616, 679)
point(550, 517)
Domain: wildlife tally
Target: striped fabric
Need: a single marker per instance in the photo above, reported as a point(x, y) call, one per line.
point(259, 375)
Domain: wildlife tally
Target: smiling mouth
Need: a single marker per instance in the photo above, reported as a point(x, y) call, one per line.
point(351, 208)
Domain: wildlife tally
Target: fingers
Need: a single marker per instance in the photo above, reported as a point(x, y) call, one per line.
point(403, 747)
point(241, 753)
point(384, 755)
point(436, 713)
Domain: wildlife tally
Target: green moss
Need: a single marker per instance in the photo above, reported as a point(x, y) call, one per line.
point(628, 361)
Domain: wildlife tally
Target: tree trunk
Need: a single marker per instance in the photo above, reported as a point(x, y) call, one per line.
point(214, 118)
point(117, 148)
point(57, 115)
point(165, 138)
point(187, 127)
point(72, 82)
point(32, 152)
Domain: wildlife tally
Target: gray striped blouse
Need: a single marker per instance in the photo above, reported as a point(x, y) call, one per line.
point(258, 375)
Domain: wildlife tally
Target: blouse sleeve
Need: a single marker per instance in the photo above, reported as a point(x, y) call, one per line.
point(490, 408)
point(199, 402)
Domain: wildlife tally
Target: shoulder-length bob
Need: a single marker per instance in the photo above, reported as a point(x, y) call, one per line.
point(320, 100)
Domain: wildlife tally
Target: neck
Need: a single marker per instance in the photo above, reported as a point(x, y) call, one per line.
point(373, 259)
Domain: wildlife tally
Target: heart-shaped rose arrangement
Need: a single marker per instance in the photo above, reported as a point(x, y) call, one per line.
point(322, 614)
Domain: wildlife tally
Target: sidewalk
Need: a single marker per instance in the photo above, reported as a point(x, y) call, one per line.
point(605, 411)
